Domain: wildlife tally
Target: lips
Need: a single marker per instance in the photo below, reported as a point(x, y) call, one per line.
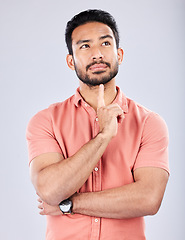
point(98, 67)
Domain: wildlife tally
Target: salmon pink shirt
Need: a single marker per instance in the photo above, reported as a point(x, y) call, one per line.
point(141, 141)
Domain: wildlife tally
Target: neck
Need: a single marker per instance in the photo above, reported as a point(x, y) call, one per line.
point(90, 94)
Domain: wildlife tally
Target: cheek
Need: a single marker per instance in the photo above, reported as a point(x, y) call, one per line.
point(79, 62)
point(112, 55)
point(114, 60)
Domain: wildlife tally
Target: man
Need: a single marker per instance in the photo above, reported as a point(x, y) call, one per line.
point(98, 160)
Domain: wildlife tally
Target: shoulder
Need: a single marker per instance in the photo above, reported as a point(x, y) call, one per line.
point(148, 119)
point(45, 117)
point(59, 105)
point(143, 112)
point(136, 108)
point(54, 108)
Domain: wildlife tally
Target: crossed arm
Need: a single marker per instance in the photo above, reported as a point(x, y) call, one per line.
point(141, 198)
point(56, 178)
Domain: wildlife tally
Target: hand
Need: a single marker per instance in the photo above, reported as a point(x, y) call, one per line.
point(46, 209)
point(108, 116)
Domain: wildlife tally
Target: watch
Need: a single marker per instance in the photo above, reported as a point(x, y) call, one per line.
point(66, 206)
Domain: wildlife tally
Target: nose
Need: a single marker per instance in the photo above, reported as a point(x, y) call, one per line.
point(96, 54)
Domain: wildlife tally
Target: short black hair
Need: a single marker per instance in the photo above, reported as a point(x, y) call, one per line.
point(91, 15)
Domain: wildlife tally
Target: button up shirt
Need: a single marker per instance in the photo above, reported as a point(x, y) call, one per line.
point(141, 141)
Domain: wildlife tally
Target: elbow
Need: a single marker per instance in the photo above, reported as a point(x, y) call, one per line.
point(46, 195)
point(154, 204)
point(46, 191)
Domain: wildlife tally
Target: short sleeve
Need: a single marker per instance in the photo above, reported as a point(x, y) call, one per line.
point(153, 150)
point(40, 136)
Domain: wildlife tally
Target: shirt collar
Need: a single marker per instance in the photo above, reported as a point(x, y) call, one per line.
point(120, 99)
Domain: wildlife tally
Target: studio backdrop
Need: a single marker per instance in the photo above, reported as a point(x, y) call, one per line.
point(34, 74)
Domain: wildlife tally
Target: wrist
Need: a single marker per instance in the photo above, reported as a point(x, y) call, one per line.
point(74, 198)
point(66, 206)
point(104, 137)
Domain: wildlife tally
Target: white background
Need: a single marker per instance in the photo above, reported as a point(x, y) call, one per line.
point(34, 74)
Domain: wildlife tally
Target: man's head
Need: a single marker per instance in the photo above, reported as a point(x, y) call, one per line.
point(90, 16)
point(92, 39)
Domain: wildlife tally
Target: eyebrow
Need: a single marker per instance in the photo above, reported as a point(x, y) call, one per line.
point(106, 36)
point(83, 41)
point(88, 40)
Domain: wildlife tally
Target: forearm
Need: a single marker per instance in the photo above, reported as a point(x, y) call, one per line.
point(128, 201)
point(140, 198)
point(60, 180)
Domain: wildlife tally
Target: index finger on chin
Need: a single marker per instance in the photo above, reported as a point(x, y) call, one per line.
point(101, 102)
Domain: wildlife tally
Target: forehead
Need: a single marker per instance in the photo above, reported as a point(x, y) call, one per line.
point(89, 31)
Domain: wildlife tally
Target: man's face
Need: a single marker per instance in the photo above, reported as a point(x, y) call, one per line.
point(95, 56)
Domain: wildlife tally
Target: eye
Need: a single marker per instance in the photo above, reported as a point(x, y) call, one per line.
point(106, 43)
point(84, 46)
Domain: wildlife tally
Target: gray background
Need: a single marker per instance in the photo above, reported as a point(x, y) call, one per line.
point(34, 74)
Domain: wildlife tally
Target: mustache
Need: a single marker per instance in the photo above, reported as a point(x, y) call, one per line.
point(93, 63)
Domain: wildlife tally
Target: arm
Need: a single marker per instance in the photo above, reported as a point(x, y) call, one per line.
point(56, 178)
point(144, 195)
point(141, 198)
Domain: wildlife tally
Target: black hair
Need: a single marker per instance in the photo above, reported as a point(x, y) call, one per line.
point(91, 15)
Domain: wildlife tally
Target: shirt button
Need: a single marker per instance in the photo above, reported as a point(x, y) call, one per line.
point(96, 169)
point(96, 119)
point(96, 220)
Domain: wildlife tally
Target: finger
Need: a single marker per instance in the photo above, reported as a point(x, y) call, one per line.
point(120, 118)
point(39, 200)
point(40, 206)
point(101, 102)
point(114, 106)
point(42, 212)
point(117, 111)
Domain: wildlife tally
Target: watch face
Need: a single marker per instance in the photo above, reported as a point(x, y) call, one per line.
point(65, 206)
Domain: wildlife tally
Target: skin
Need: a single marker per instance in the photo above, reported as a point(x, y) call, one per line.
point(50, 172)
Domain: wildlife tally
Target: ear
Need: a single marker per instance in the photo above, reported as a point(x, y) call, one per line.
point(70, 62)
point(120, 55)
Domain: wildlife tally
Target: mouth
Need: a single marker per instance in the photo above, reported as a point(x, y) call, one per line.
point(98, 67)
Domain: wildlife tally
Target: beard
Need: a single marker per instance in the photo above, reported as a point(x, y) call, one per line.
point(97, 80)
